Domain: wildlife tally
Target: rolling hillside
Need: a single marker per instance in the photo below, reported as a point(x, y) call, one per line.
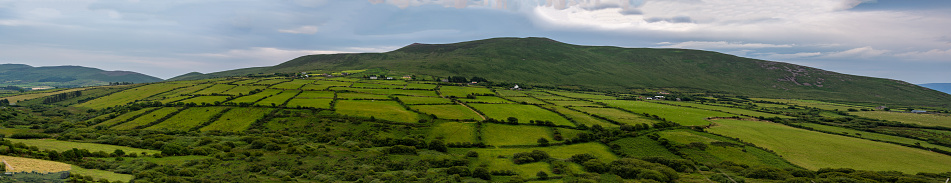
point(66, 76)
point(542, 61)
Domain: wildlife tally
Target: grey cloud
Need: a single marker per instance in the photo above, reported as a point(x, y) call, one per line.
point(631, 11)
point(676, 19)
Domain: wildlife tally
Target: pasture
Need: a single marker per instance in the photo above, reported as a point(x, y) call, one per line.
point(682, 115)
point(620, 116)
point(501, 158)
point(580, 95)
point(567, 103)
point(551, 97)
point(378, 86)
point(424, 100)
point(56, 145)
point(524, 113)
point(315, 94)
point(458, 112)
point(814, 150)
point(723, 109)
point(501, 135)
point(716, 153)
point(100, 174)
point(146, 119)
point(510, 93)
point(310, 103)
point(314, 87)
point(486, 99)
point(256, 96)
point(462, 92)
point(642, 146)
point(367, 96)
point(218, 88)
point(420, 86)
point(129, 95)
point(124, 117)
point(279, 99)
point(243, 90)
point(271, 81)
point(386, 110)
point(237, 119)
point(18, 164)
point(205, 99)
point(872, 136)
point(189, 118)
point(911, 118)
point(422, 93)
point(526, 100)
point(812, 103)
point(454, 132)
point(292, 85)
point(179, 92)
point(582, 118)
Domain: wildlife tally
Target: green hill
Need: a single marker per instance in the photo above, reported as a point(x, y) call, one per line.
point(66, 76)
point(542, 61)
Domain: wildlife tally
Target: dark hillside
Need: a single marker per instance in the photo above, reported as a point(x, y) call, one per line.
point(67, 76)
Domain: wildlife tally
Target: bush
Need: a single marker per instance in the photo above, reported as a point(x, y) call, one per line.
point(767, 173)
point(530, 157)
point(30, 136)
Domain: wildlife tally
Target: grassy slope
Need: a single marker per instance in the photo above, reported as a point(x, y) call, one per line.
point(921, 119)
point(66, 145)
point(548, 62)
point(814, 150)
point(67, 76)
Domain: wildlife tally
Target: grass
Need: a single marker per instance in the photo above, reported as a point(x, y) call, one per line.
point(56, 145)
point(314, 87)
point(527, 100)
point(18, 164)
point(582, 118)
point(454, 132)
point(421, 93)
point(146, 119)
point(333, 83)
point(724, 109)
point(315, 94)
point(912, 118)
point(814, 150)
point(510, 93)
point(642, 146)
point(101, 174)
point(486, 99)
point(237, 119)
point(189, 118)
point(292, 85)
point(129, 95)
point(123, 117)
point(448, 111)
point(524, 113)
point(681, 115)
point(347, 95)
point(420, 86)
point(386, 110)
point(218, 88)
point(491, 156)
point(573, 103)
point(551, 97)
point(243, 90)
point(580, 95)
point(24, 97)
point(271, 81)
point(872, 136)
point(205, 99)
point(179, 92)
point(424, 100)
point(247, 81)
point(500, 135)
point(715, 154)
point(279, 99)
point(374, 85)
point(812, 103)
point(315, 103)
point(256, 96)
point(620, 116)
point(461, 92)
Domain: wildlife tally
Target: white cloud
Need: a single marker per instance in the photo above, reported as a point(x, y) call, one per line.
point(265, 54)
point(863, 52)
point(721, 44)
point(783, 56)
point(307, 29)
point(930, 55)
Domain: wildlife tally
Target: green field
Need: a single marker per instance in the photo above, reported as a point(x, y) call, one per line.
point(500, 135)
point(247, 81)
point(422, 93)
point(205, 99)
point(218, 88)
point(813, 103)
point(271, 81)
point(451, 132)
point(123, 117)
point(350, 96)
point(179, 92)
point(329, 83)
point(256, 96)
point(57, 145)
point(620, 116)
point(24, 97)
point(524, 113)
point(510, 93)
point(420, 86)
point(736, 152)
point(189, 118)
point(146, 119)
point(814, 150)
point(912, 118)
point(574, 103)
point(424, 100)
point(448, 111)
point(100, 174)
point(129, 95)
point(378, 86)
point(237, 119)
point(315, 94)
point(279, 99)
point(486, 99)
point(682, 115)
point(314, 87)
point(582, 118)
point(292, 85)
point(872, 136)
point(642, 146)
point(551, 97)
point(581, 95)
point(724, 109)
point(461, 92)
point(501, 158)
point(385, 110)
point(243, 90)
point(527, 100)
point(314, 103)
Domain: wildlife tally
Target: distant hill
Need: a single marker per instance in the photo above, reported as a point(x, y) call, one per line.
point(942, 87)
point(542, 61)
point(65, 76)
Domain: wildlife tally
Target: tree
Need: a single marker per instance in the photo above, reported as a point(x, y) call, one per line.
point(118, 153)
point(438, 145)
point(481, 173)
point(542, 175)
point(512, 120)
point(542, 141)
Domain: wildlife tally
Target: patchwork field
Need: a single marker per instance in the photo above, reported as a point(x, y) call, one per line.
point(814, 150)
point(424, 100)
point(256, 96)
point(500, 135)
point(620, 116)
point(526, 100)
point(501, 158)
point(812, 103)
point(310, 103)
point(129, 95)
point(351, 96)
point(18, 164)
point(56, 145)
point(580, 95)
point(146, 119)
point(574, 103)
point(912, 118)
point(123, 117)
point(24, 97)
point(582, 118)
point(724, 109)
point(179, 92)
point(386, 110)
point(279, 99)
point(292, 85)
point(100, 174)
point(422, 93)
point(237, 119)
point(461, 92)
point(524, 113)
point(243, 90)
point(510, 93)
point(420, 86)
point(205, 99)
point(873, 136)
point(189, 118)
point(453, 132)
point(218, 88)
point(642, 146)
point(448, 111)
point(374, 85)
point(719, 149)
point(271, 81)
point(682, 115)
point(315, 94)
point(486, 99)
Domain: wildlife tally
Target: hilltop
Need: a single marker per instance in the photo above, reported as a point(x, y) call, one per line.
point(542, 61)
point(23, 75)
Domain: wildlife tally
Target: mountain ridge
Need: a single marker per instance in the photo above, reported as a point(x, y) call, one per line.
point(67, 76)
point(543, 61)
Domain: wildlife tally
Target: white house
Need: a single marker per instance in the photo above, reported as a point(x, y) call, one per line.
point(372, 77)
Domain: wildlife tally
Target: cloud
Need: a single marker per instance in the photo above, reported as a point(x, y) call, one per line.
point(782, 56)
point(863, 52)
point(935, 55)
point(307, 29)
point(721, 44)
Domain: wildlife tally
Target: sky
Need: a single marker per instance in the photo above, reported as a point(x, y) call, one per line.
point(900, 39)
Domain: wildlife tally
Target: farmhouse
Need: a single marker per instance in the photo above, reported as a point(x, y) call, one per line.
point(373, 77)
point(389, 78)
point(880, 108)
